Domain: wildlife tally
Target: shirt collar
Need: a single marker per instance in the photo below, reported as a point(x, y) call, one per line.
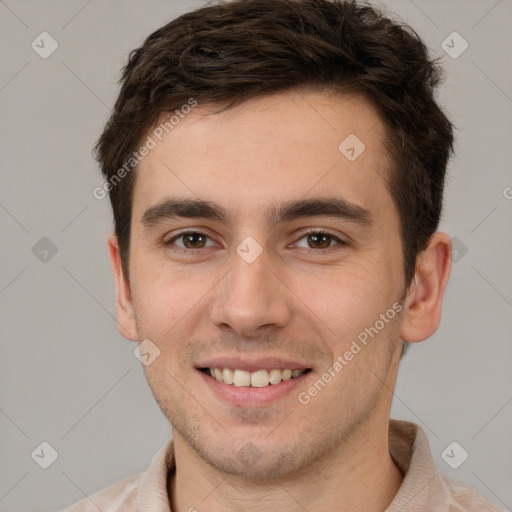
point(423, 488)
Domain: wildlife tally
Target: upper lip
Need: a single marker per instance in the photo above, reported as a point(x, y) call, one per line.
point(251, 365)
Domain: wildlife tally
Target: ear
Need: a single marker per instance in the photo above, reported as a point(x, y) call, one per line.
point(124, 304)
point(424, 299)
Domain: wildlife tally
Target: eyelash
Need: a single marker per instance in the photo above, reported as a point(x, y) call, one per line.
point(169, 243)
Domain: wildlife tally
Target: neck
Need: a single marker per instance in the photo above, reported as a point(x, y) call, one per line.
point(357, 475)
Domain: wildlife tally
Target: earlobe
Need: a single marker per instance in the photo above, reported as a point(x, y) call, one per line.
point(124, 303)
point(424, 301)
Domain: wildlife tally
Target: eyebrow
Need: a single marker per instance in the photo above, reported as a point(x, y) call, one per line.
point(174, 208)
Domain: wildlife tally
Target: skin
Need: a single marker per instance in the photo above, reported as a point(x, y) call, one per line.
point(296, 300)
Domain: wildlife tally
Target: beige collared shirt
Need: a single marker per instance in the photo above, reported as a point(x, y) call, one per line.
point(423, 489)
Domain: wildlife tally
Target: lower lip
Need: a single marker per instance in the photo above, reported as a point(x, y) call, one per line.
point(246, 396)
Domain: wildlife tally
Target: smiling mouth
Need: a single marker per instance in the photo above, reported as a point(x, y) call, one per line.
point(256, 379)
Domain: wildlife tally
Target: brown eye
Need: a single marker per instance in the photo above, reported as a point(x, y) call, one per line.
point(193, 240)
point(319, 240)
point(316, 240)
point(189, 240)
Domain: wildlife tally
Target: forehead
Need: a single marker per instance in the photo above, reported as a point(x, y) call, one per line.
point(268, 149)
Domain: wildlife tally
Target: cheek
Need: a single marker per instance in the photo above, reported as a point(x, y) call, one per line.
point(168, 299)
point(342, 298)
point(344, 308)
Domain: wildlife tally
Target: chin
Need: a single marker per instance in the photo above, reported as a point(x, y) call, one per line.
point(254, 463)
point(255, 456)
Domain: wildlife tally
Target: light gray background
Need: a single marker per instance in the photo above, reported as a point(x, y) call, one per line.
point(67, 377)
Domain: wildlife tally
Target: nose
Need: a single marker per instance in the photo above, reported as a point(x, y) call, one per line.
point(251, 298)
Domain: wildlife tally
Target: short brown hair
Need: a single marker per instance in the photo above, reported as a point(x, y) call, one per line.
point(231, 51)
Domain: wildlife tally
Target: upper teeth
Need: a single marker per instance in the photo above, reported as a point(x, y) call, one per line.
point(257, 379)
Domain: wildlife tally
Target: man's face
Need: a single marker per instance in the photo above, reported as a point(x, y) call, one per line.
point(260, 292)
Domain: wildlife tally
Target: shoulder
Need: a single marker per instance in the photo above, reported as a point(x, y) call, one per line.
point(116, 497)
point(147, 489)
point(464, 498)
